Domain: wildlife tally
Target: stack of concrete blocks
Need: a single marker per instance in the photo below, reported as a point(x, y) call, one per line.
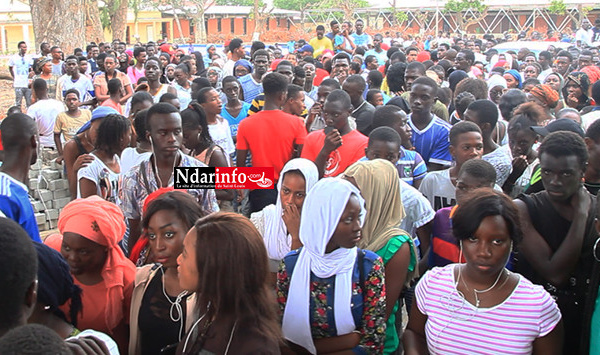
point(49, 189)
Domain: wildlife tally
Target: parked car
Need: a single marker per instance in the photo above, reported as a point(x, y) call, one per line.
point(534, 46)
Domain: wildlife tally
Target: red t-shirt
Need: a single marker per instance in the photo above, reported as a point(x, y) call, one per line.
point(320, 75)
point(270, 137)
point(352, 149)
point(110, 103)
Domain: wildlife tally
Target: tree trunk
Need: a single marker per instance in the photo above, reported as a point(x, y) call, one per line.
point(199, 29)
point(93, 26)
point(59, 22)
point(178, 23)
point(475, 20)
point(257, 23)
point(118, 18)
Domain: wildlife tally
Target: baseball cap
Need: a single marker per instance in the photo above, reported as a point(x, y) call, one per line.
point(98, 113)
point(328, 53)
point(563, 124)
point(306, 48)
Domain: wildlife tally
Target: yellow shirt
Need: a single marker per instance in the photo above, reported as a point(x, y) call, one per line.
point(319, 45)
point(68, 125)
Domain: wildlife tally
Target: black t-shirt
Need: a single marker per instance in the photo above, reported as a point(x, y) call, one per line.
point(571, 297)
point(157, 330)
point(364, 117)
point(592, 187)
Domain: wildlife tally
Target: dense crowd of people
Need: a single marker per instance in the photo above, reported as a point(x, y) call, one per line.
point(443, 178)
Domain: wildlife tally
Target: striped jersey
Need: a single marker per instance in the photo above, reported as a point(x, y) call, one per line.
point(432, 142)
point(250, 87)
point(15, 204)
point(454, 326)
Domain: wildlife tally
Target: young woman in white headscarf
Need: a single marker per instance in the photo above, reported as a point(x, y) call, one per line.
point(279, 224)
point(332, 294)
point(379, 185)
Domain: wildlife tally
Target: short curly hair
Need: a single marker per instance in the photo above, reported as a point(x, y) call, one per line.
point(565, 143)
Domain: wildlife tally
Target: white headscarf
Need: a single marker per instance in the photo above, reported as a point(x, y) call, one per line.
point(495, 80)
point(321, 214)
point(276, 238)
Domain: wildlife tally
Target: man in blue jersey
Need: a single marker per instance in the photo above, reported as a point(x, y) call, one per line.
point(252, 83)
point(19, 138)
point(430, 133)
point(361, 38)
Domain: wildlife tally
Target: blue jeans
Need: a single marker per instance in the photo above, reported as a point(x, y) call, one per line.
point(20, 93)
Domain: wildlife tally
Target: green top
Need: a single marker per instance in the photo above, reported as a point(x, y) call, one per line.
point(386, 253)
point(595, 328)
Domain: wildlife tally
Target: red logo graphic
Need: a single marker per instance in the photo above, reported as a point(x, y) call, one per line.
point(224, 178)
point(245, 178)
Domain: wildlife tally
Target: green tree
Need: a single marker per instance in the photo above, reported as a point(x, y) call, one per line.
point(464, 20)
point(559, 7)
point(236, 2)
point(347, 6)
point(296, 5)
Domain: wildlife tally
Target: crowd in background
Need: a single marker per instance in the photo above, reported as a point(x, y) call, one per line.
point(436, 176)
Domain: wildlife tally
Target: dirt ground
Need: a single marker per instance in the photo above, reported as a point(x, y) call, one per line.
point(7, 94)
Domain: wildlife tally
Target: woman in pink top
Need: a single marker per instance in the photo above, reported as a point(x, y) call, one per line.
point(480, 307)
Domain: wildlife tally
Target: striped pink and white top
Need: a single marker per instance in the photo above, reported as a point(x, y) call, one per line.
point(454, 326)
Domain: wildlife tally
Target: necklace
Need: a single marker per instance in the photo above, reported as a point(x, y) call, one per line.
point(477, 292)
point(157, 173)
point(175, 306)
point(230, 337)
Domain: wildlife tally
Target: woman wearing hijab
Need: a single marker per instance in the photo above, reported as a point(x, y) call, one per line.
point(55, 289)
point(513, 79)
point(330, 278)
point(168, 76)
point(556, 82)
point(165, 59)
point(496, 86)
point(279, 224)
point(215, 76)
point(379, 185)
point(242, 67)
point(546, 97)
point(211, 50)
point(576, 89)
point(161, 311)
point(90, 229)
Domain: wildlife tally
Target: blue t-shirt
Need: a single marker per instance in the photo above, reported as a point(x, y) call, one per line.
point(234, 122)
point(381, 57)
point(15, 204)
point(341, 40)
point(251, 88)
point(361, 40)
point(410, 166)
point(432, 142)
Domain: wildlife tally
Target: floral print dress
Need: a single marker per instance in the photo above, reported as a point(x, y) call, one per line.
point(368, 301)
